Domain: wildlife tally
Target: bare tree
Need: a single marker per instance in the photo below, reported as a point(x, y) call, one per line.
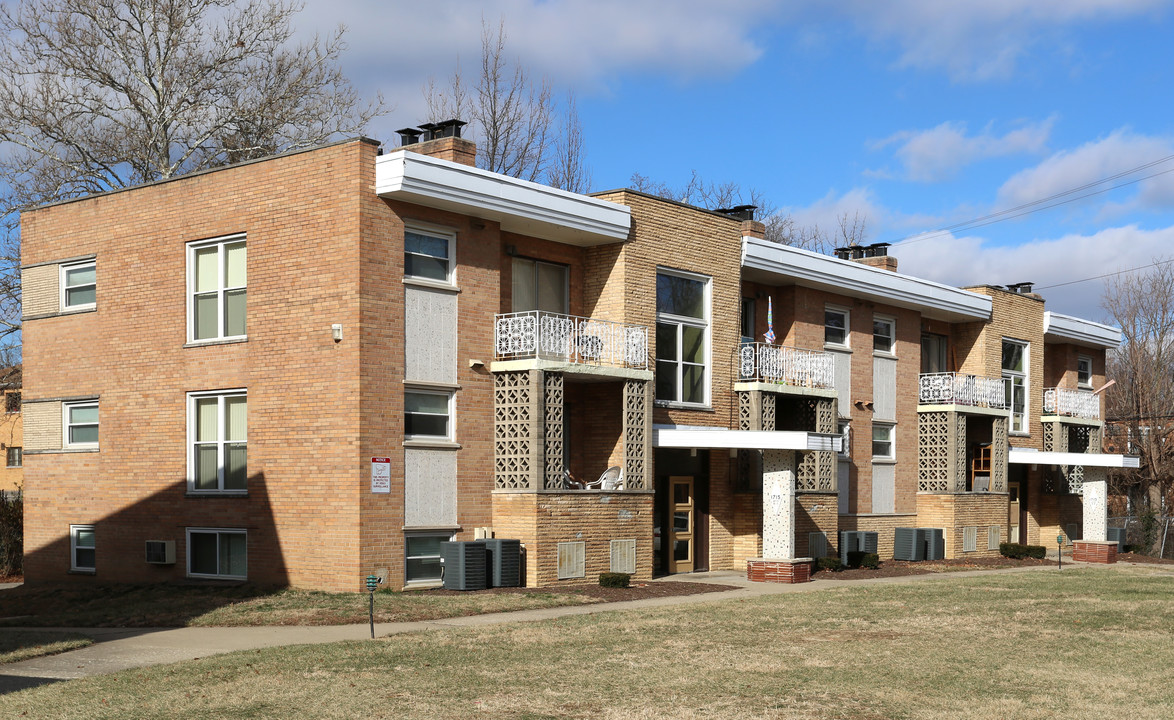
point(103, 94)
point(1142, 400)
point(514, 118)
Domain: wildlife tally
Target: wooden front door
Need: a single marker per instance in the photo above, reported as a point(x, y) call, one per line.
point(1013, 511)
point(682, 524)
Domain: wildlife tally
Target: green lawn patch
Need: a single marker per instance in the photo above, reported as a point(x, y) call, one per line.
point(1081, 643)
point(17, 645)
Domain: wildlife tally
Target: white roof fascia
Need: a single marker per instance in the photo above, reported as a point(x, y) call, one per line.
point(1021, 456)
point(844, 277)
point(699, 436)
point(522, 207)
point(1065, 328)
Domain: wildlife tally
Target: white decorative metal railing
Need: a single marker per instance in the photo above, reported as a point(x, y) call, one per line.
point(760, 362)
point(567, 338)
point(1073, 403)
point(959, 389)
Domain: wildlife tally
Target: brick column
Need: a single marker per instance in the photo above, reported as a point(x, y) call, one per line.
point(1096, 512)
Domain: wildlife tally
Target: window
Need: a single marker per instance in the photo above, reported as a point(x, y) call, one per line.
point(844, 430)
point(422, 553)
point(217, 553)
point(81, 424)
point(81, 548)
point(882, 442)
point(883, 335)
point(428, 255)
point(78, 286)
point(1084, 371)
point(682, 338)
point(540, 286)
point(15, 457)
point(218, 437)
point(12, 402)
point(748, 319)
point(427, 414)
point(835, 327)
point(217, 273)
point(933, 353)
point(1015, 373)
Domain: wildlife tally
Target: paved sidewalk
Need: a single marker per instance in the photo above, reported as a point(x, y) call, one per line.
point(116, 649)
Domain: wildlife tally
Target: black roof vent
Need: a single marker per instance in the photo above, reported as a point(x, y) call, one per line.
point(738, 212)
point(430, 130)
point(850, 252)
point(876, 250)
point(409, 136)
point(448, 128)
point(1022, 288)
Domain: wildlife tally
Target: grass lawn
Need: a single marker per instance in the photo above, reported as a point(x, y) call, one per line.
point(190, 605)
point(17, 645)
point(1082, 643)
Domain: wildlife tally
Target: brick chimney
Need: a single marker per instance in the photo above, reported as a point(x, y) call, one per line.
point(442, 140)
point(745, 213)
point(875, 255)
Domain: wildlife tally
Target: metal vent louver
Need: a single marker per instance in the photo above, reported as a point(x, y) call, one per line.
point(969, 539)
point(1116, 535)
point(504, 562)
point(160, 552)
point(571, 560)
point(994, 535)
point(623, 556)
point(817, 545)
point(464, 565)
point(905, 545)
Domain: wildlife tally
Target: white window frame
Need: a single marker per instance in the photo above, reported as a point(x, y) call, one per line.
point(221, 289)
point(892, 336)
point(63, 271)
point(14, 451)
point(66, 426)
point(844, 430)
point(1087, 384)
point(218, 532)
point(221, 442)
point(706, 326)
point(74, 547)
point(446, 536)
point(438, 233)
point(1010, 376)
point(892, 441)
point(450, 396)
point(847, 326)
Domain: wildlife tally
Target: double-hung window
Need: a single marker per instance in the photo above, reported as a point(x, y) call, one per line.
point(218, 441)
point(79, 288)
point(682, 337)
point(882, 442)
point(884, 335)
point(217, 553)
point(1015, 375)
point(82, 549)
point(80, 424)
point(12, 402)
point(1084, 371)
point(217, 284)
point(835, 327)
point(427, 415)
point(428, 255)
point(15, 457)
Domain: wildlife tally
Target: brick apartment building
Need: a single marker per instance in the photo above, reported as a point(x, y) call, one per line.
point(11, 431)
point(313, 367)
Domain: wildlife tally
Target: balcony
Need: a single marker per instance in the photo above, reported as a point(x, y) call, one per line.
point(781, 365)
point(1072, 403)
point(959, 389)
point(570, 339)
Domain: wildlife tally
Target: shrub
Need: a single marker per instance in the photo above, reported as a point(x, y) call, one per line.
point(1012, 550)
point(11, 534)
point(829, 563)
point(1039, 552)
point(870, 561)
point(854, 558)
point(614, 580)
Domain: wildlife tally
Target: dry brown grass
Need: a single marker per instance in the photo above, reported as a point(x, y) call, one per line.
point(1085, 643)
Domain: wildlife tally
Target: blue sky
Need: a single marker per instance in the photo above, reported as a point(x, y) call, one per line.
point(918, 114)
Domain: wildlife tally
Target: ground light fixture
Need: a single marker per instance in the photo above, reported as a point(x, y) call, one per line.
point(1059, 552)
point(372, 583)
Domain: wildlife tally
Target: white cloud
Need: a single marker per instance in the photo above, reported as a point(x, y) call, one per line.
point(973, 260)
point(978, 39)
point(940, 152)
point(1095, 161)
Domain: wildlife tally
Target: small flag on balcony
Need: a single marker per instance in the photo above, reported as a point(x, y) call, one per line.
point(769, 337)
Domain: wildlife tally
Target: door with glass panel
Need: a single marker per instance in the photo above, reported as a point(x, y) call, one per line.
point(539, 285)
point(681, 526)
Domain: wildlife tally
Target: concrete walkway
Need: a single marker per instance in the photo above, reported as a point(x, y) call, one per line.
point(116, 649)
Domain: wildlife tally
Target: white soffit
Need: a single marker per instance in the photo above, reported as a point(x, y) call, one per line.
point(698, 436)
point(1034, 457)
point(775, 264)
point(1065, 328)
point(521, 207)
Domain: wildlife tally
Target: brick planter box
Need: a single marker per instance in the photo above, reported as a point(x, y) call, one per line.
point(795, 570)
point(1094, 551)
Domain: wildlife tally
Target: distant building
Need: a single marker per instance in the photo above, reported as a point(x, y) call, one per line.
point(11, 430)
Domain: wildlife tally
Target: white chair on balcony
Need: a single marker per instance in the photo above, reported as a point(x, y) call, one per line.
point(611, 479)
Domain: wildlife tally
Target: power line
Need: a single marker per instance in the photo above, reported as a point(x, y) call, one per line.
point(1098, 277)
point(1038, 205)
